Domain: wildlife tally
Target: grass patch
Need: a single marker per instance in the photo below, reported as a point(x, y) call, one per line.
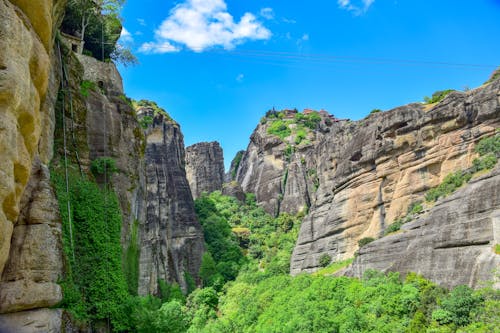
point(334, 267)
point(438, 96)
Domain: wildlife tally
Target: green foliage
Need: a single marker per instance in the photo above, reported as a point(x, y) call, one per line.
point(325, 260)
point(375, 111)
point(437, 96)
point(301, 135)
point(146, 121)
point(484, 163)
point(395, 226)
point(497, 248)
point(495, 76)
point(86, 86)
point(170, 292)
point(279, 128)
point(489, 145)
point(289, 150)
point(235, 163)
point(457, 308)
point(95, 286)
point(363, 241)
point(449, 185)
point(131, 264)
point(103, 165)
point(334, 267)
point(415, 208)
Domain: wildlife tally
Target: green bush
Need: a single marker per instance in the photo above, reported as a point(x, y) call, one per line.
point(437, 96)
point(86, 86)
point(375, 111)
point(279, 128)
point(363, 241)
point(395, 226)
point(325, 260)
point(489, 145)
point(146, 121)
point(415, 208)
point(103, 165)
point(450, 183)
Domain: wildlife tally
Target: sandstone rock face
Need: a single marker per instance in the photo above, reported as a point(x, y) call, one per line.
point(39, 321)
point(453, 244)
point(171, 237)
point(30, 232)
point(281, 181)
point(371, 171)
point(204, 167)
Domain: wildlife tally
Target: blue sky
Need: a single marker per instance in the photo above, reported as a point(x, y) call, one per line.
point(218, 65)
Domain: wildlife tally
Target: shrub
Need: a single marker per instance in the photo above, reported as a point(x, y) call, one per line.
point(86, 86)
point(375, 111)
point(301, 135)
point(325, 260)
point(103, 165)
point(450, 183)
point(437, 96)
point(279, 128)
point(363, 241)
point(146, 121)
point(488, 145)
point(395, 226)
point(415, 208)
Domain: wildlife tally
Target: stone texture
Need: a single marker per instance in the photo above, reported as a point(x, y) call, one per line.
point(171, 236)
point(36, 321)
point(204, 167)
point(233, 189)
point(30, 235)
point(452, 244)
point(372, 170)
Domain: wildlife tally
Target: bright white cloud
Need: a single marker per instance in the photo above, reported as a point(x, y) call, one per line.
point(240, 77)
point(202, 24)
point(358, 7)
point(267, 13)
point(126, 36)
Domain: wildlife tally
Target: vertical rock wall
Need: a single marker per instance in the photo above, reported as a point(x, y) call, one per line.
point(204, 167)
point(171, 237)
point(30, 231)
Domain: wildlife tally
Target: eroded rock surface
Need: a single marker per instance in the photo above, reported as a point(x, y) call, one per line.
point(453, 244)
point(204, 167)
point(30, 231)
point(371, 171)
point(171, 237)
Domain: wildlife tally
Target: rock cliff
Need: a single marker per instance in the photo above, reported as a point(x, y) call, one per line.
point(371, 171)
point(356, 178)
point(30, 230)
point(171, 237)
point(452, 244)
point(204, 167)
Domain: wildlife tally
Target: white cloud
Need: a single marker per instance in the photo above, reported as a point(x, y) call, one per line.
point(126, 36)
point(267, 13)
point(141, 22)
point(358, 7)
point(201, 24)
point(240, 77)
point(305, 37)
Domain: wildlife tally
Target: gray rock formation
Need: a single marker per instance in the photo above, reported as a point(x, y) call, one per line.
point(371, 171)
point(204, 167)
point(171, 237)
point(233, 169)
point(233, 189)
point(452, 244)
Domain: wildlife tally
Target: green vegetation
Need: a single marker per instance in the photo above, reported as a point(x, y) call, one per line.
point(280, 129)
point(95, 287)
point(334, 267)
point(131, 264)
point(236, 163)
point(86, 86)
point(99, 25)
point(375, 111)
point(363, 241)
point(243, 235)
point(488, 150)
point(157, 110)
point(438, 96)
point(280, 125)
point(103, 165)
point(324, 260)
point(146, 121)
point(497, 248)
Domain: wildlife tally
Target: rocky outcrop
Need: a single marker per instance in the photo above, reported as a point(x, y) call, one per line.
point(281, 173)
point(233, 189)
point(453, 244)
point(371, 171)
point(204, 167)
point(30, 242)
point(171, 237)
